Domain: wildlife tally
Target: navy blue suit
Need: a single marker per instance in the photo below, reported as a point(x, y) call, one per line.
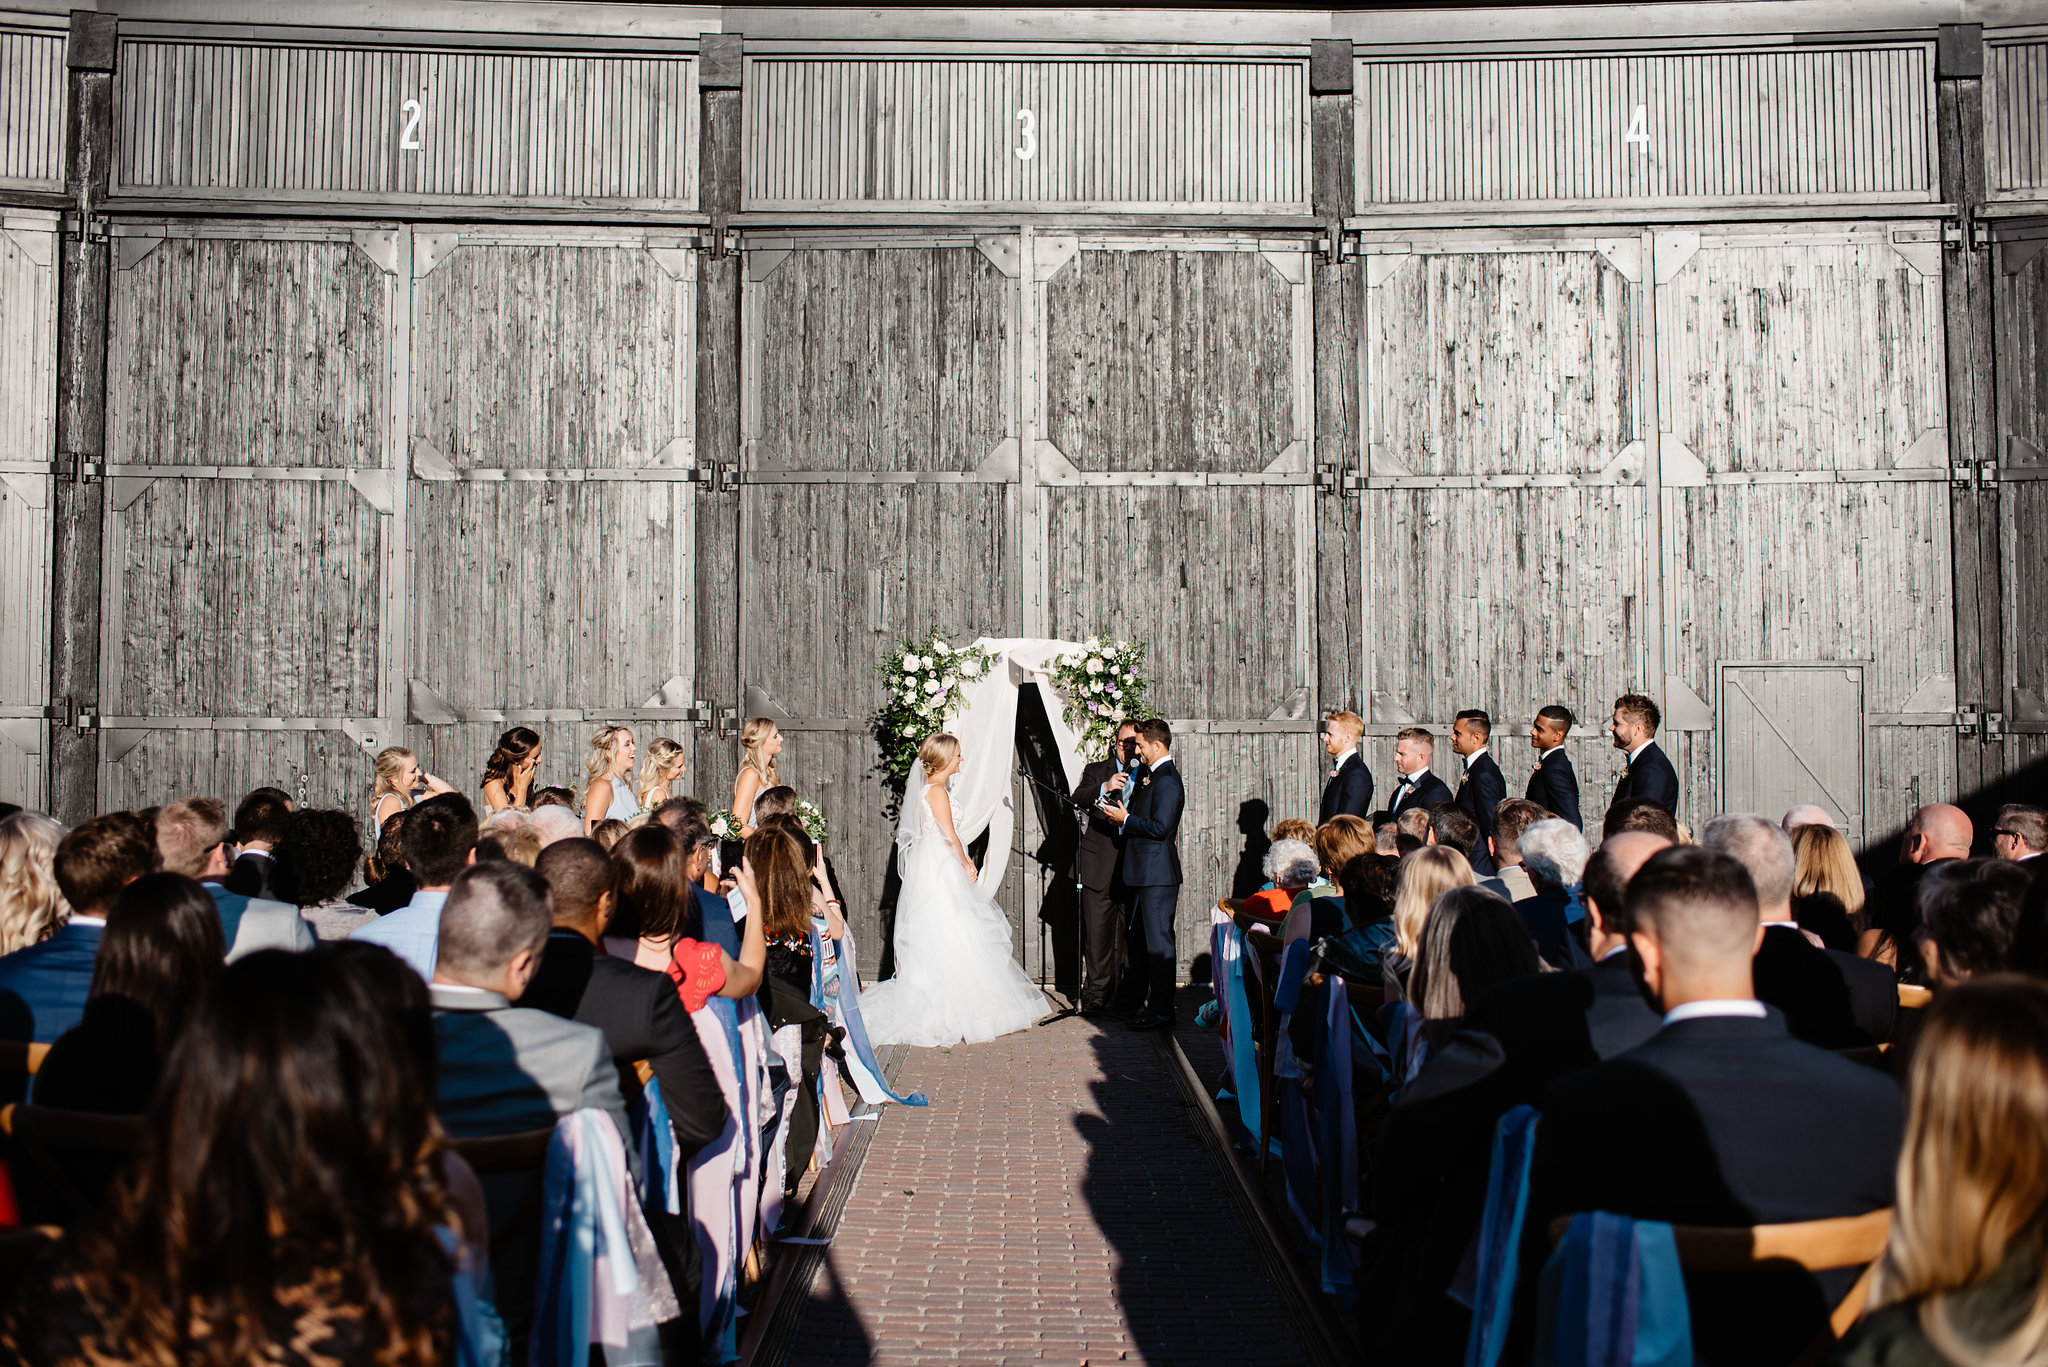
point(1427, 790)
point(1555, 787)
point(1650, 775)
point(1479, 796)
point(1349, 791)
point(43, 986)
point(1151, 870)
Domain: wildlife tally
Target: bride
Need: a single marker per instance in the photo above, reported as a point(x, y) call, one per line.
point(955, 978)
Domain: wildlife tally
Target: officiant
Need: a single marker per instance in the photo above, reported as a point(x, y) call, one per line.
point(1104, 901)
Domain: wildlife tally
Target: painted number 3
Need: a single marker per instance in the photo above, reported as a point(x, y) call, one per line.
point(1027, 131)
point(409, 137)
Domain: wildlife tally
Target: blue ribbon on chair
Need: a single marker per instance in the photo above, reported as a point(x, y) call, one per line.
point(1336, 1139)
point(656, 1144)
point(1500, 1235)
point(1237, 1011)
point(860, 1053)
point(1613, 1295)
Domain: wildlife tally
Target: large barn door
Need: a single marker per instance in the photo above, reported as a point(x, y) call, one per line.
point(549, 414)
point(1173, 420)
point(247, 535)
point(1504, 421)
point(28, 389)
point(2018, 479)
point(878, 499)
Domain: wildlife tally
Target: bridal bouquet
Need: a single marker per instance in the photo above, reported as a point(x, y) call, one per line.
point(812, 820)
point(724, 825)
point(1100, 685)
point(922, 682)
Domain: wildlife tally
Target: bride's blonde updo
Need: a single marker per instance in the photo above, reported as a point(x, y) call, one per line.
point(937, 752)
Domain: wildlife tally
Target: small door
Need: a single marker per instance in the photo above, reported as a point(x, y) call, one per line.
point(1793, 734)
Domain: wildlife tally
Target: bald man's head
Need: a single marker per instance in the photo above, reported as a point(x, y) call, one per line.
point(1805, 814)
point(1607, 875)
point(1939, 831)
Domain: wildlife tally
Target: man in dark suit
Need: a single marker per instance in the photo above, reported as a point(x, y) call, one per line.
point(1554, 786)
point(1649, 773)
point(1830, 998)
point(1103, 898)
point(43, 986)
point(1414, 747)
point(1481, 790)
point(1150, 820)
point(1720, 1119)
point(1348, 789)
point(1619, 1018)
point(260, 823)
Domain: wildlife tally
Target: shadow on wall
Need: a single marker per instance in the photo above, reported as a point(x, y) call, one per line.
point(2026, 784)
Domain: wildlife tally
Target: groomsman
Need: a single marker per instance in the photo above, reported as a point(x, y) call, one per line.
point(1555, 785)
point(1483, 787)
point(1151, 862)
point(1414, 747)
point(1348, 791)
point(1649, 773)
point(1103, 897)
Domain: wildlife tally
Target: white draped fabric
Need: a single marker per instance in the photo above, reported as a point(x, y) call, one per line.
point(987, 727)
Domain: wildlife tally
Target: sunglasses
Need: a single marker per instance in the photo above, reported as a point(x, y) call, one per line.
point(2012, 834)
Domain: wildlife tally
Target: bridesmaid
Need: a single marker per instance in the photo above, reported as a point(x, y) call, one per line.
point(760, 743)
point(608, 796)
point(398, 778)
point(508, 774)
point(658, 774)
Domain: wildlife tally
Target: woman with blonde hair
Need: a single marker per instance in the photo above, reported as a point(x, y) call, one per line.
point(32, 906)
point(760, 743)
point(607, 792)
point(508, 773)
point(1337, 842)
point(1827, 890)
point(664, 764)
point(399, 777)
point(1965, 1279)
point(1425, 875)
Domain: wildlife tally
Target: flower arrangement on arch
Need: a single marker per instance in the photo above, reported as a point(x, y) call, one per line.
point(1100, 685)
point(922, 683)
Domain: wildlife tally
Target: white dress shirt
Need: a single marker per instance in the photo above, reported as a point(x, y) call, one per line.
point(1745, 1006)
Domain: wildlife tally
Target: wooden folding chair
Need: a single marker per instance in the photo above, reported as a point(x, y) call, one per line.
point(526, 1152)
point(1267, 949)
point(1816, 1245)
point(41, 1132)
point(19, 1056)
point(1913, 997)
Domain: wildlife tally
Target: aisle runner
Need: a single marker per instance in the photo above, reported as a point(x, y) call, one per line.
point(1053, 1204)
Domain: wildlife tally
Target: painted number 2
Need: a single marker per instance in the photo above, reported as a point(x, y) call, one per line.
point(1638, 130)
point(1028, 132)
point(409, 139)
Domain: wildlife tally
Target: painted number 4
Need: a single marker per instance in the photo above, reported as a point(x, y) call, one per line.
point(1027, 131)
point(409, 137)
point(1637, 131)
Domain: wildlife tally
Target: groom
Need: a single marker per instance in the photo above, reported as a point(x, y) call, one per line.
point(1150, 818)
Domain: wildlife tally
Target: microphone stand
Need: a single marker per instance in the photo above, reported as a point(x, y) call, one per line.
point(1067, 1008)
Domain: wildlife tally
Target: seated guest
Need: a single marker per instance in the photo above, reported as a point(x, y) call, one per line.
point(1516, 814)
point(192, 839)
point(314, 859)
point(555, 796)
point(1970, 912)
point(1317, 910)
point(1413, 824)
point(508, 835)
point(1721, 1119)
point(32, 906)
point(2021, 833)
point(439, 842)
point(781, 801)
point(1962, 1282)
point(714, 916)
point(608, 832)
point(278, 1202)
point(1827, 891)
point(1289, 866)
point(259, 825)
point(43, 986)
point(1831, 999)
point(1472, 941)
point(390, 883)
point(1385, 835)
point(1424, 876)
point(1639, 814)
point(1450, 827)
point(779, 879)
point(659, 918)
point(1554, 853)
point(1619, 1017)
point(1294, 828)
point(1359, 950)
point(1937, 833)
point(635, 1007)
point(555, 822)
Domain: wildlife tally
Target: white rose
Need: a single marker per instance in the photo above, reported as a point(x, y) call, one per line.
point(910, 730)
point(910, 664)
point(931, 685)
point(943, 649)
point(1094, 641)
point(951, 680)
point(1094, 665)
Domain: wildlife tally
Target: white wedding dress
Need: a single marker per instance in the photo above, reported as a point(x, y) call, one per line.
point(956, 980)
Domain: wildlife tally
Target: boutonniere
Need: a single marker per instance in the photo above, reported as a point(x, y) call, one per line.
point(1144, 783)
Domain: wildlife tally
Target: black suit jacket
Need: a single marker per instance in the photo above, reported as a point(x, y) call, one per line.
point(1151, 857)
point(254, 875)
point(1481, 791)
point(642, 1018)
point(1813, 988)
point(1349, 791)
point(1095, 858)
point(1651, 776)
point(1619, 1018)
point(1722, 1121)
point(1555, 787)
point(1429, 791)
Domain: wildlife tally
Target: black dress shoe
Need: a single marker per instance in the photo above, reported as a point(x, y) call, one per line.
point(1093, 1013)
point(1153, 1022)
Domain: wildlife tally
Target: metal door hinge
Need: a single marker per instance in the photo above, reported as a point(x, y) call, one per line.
point(1985, 726)
point(1967, 719)
point(66, 713)
point(1338, 480)
point(1993, 727)
point(1964, 474)
point(719, 475)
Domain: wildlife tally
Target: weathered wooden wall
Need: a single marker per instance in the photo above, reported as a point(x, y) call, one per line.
point(2021, 327)
point(33, 97)
point(28, 383)
point(2016, 120)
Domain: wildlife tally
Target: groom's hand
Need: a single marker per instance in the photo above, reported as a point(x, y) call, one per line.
point(1116, 814)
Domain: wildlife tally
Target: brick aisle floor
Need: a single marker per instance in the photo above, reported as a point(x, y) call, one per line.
point(1052, 1205)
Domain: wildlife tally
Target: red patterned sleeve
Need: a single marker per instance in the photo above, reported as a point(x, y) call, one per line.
point(698, 971)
